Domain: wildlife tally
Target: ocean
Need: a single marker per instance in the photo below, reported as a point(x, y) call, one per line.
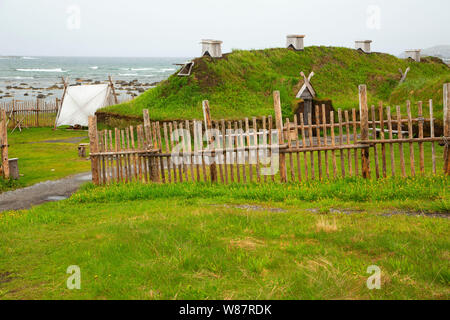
point(24, 78)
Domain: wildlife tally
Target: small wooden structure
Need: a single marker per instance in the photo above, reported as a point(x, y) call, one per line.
point(363, 45)
point(295, 42)
point(14, 168)
point(212, 48)
point(307, 93)
point(82, 149)
point(413, 54)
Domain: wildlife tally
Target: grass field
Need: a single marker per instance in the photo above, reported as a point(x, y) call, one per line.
point(45, 154)
point(295, 241)
point(241, 83)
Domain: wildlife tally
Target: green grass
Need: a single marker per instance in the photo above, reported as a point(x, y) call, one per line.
point(40, 160)
point(199, 242)
point(241, 84)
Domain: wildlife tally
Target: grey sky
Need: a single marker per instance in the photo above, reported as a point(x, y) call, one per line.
point(174, 27)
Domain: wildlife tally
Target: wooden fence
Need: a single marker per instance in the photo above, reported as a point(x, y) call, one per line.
point(4, 145)
point(30, 113)
point(373, 142)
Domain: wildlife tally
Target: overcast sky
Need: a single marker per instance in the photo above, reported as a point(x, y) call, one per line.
point(159, 28)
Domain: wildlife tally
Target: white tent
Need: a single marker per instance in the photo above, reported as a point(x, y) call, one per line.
point(80, 102)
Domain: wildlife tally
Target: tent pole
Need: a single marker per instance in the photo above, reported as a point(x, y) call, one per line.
point(62, 100)
point(113, 90)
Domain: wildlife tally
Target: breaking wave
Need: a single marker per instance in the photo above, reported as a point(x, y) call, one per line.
point(41, 70)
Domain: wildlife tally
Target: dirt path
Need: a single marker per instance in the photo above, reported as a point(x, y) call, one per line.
point(42, 192)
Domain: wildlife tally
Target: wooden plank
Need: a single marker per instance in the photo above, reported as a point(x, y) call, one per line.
point(391, 146)
point(272, 171)
point(197, 147)
point(433, 151)
point(311, 154)
point(125, 160)
point(111, 158)
point(128, 147)
point(174, 166)
point(291, 160)
point(189, 146)
point(242, 153)
point(447, 128)
point(305, 160)
point(400, 146)
point(256, 153)
point(421, 149)
point(341, 142)
point(319, 155)
point(325, 140)
point(279, 126)
point(231, 157)
point(118, 157)
point(347, 131)
point(375, 147)
point(265, 141)
point(238, 160)
point(364, 114)
point(168, 159)
point(297, 141)
point(247, 134)
point(93, 147)
point(411, 136)
point(184, 144)
point(383, 146)
point(225, 155)
point(160, 148)
point(140, 139)
point(4, 143)
point(355, 138)
point(333, 144)
point(208, 122)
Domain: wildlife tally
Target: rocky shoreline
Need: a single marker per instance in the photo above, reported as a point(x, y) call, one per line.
point(24, 90)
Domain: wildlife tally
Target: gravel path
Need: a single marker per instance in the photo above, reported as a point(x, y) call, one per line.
point(42, 192)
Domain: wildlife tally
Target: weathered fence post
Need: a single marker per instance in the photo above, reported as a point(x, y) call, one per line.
point(447, 128)
point(210, 138)
point(4, 144)
point(364, 117)
point(93, 142)
point(279, 125)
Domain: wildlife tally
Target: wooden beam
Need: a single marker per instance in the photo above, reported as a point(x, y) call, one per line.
point(447, 128)
point(4, 144)
point(210, 138)
point(364, 114)
point(93, 143)
point(116, 101)
point(279, 126)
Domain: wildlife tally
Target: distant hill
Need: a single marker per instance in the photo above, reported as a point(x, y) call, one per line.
point(240, 84)
point(442, 52)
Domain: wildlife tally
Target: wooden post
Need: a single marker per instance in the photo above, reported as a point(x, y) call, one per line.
point(279, 125)
point(447, 128)
point(4, 144)
point(93, 141)
point(62, 100)
point(113, 90)
point(364, 115)
point(210, 138)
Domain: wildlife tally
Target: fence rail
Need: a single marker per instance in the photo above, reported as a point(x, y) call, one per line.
point(374, 142)
point(4, 168)
point(30, 113)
